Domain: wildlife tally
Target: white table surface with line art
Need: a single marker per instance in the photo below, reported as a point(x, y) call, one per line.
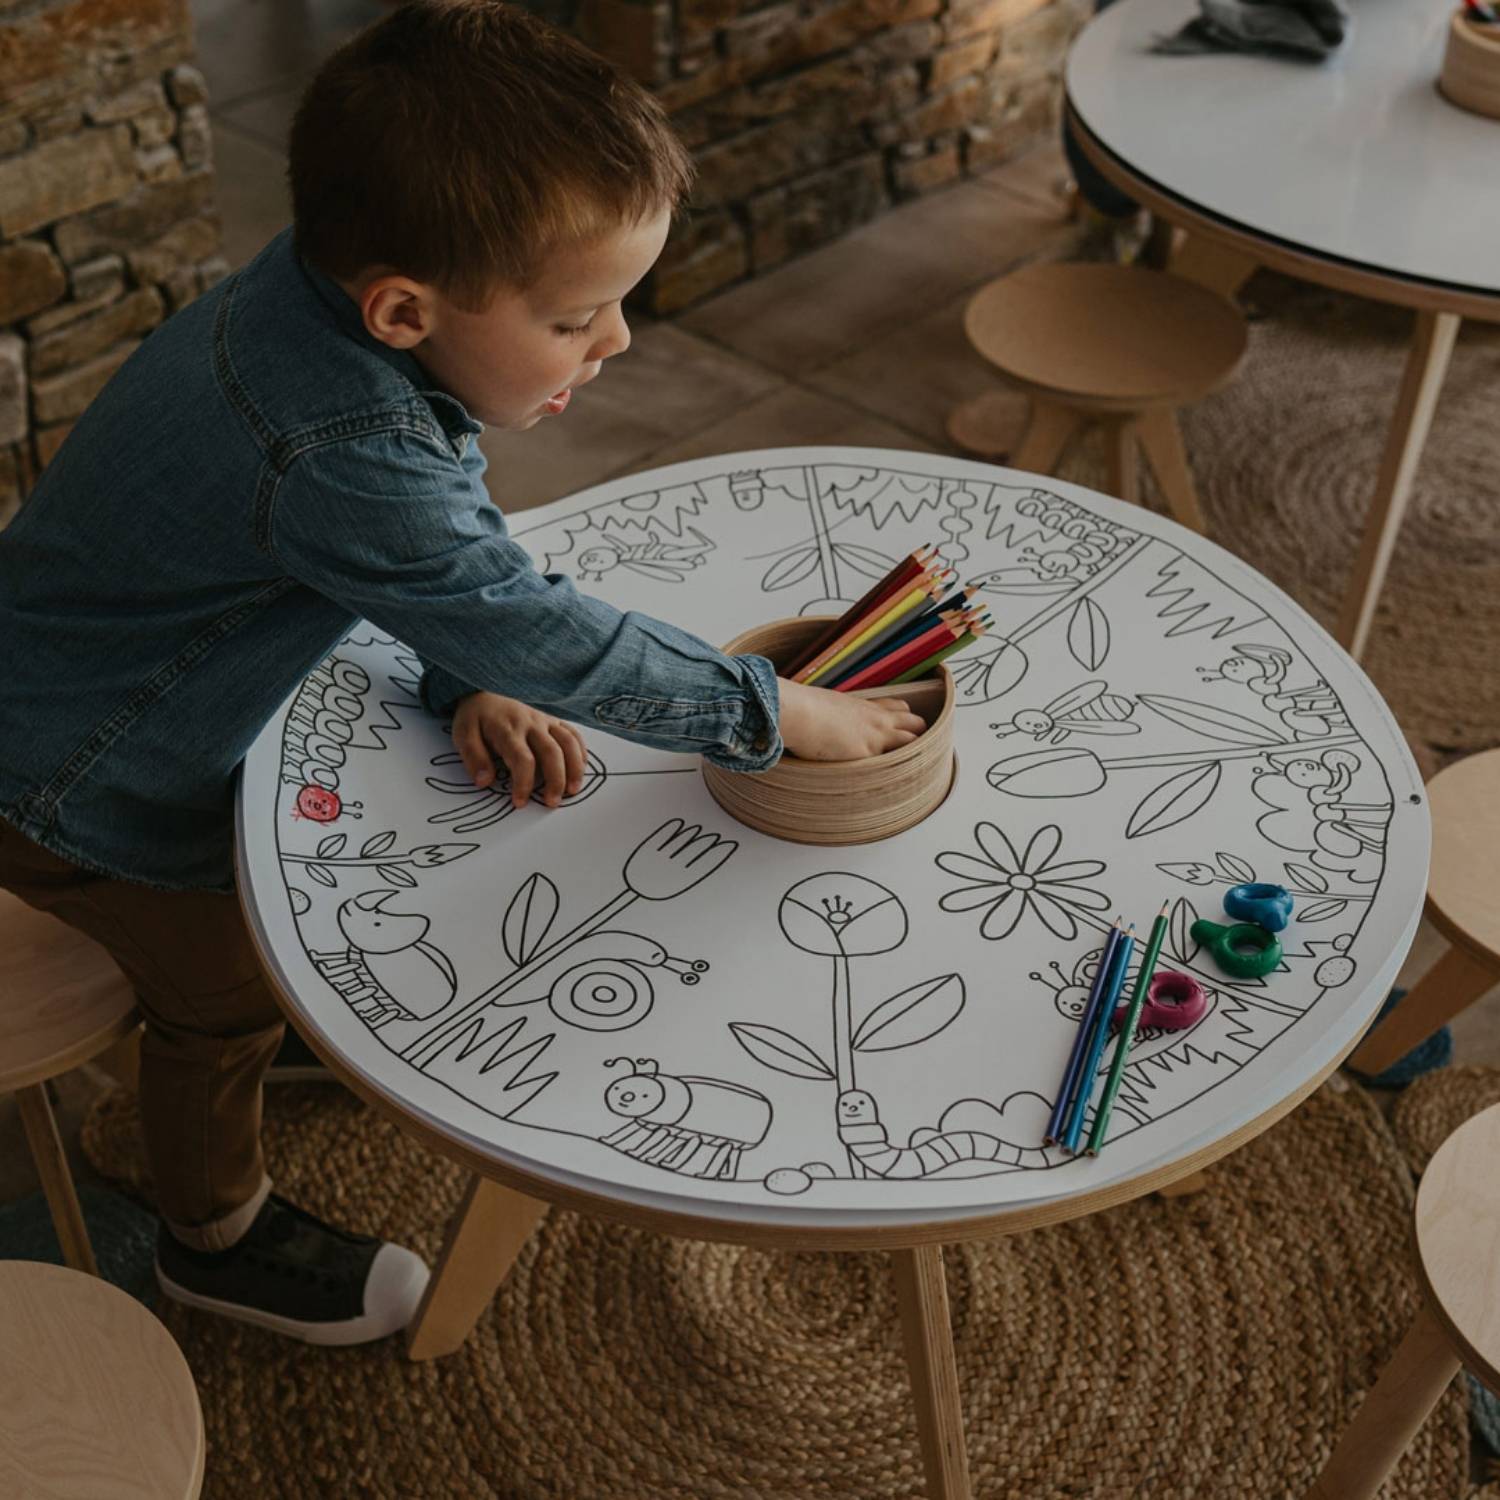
point(1354, 173)
point(633, 1004)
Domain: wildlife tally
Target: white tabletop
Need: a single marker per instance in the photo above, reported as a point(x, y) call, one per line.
point(1152, 720)
point(1358, 158)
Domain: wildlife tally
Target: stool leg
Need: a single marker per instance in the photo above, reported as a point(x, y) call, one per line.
point(484, 1237)
point(1452, 984)
point(927, 1332)
point(1122, 457)
point(1161, 440)
point(57, 1180)
point(1396, 1407)
point(1215, 266)
point(1047, 435)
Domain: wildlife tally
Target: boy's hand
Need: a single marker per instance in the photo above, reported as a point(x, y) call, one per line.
point(819, 724)
point(533, 746)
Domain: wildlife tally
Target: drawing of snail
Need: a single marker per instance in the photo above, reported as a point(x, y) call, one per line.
point(931, 1152)
point(601, 983)
point(697, 1126)
point(388, 969)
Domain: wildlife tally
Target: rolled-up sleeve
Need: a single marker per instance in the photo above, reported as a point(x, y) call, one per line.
point(403, 534)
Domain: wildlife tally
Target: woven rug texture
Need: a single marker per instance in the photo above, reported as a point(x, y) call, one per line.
point(1199, 1347)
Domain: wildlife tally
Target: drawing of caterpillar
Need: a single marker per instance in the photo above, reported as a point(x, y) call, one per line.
point(941, 1152)
point(699, 1127)
point(319, 725)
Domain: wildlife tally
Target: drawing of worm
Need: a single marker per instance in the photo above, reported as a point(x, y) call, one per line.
point(388, 969)
point(932, 1153)
point(697, 1126)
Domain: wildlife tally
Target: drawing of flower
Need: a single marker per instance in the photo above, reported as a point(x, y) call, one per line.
point(1009, 884)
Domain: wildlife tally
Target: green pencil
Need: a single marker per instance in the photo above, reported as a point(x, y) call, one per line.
point(923, 667)
point(1127, 1031)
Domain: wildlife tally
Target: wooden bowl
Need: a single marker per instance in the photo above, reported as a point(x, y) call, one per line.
point(1471, 67)
point(841, 801)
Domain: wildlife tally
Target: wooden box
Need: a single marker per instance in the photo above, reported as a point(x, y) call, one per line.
point(844, 801)
point(1471, 66)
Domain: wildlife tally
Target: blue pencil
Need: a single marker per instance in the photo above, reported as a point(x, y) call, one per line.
point(1080, 1041)
point(900, 634)
point(1100, 1036)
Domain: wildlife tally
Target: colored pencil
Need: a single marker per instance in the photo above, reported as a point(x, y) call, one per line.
point(922, 668)
point(914, 598)
point(1100, 1035)
point(908, 567)
point(1080, 1040)
point(1127, 1032)
point(924, 577)
point(898, 634)
point(883, 668)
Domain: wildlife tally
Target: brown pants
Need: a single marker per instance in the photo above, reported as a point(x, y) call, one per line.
point(212, 1027)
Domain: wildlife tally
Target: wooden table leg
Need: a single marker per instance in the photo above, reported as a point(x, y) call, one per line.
point(1426, 365)
point(922, 1297)
point(57, 1181)
point(1213, 265)
point(1408, 1389)
point(1452, 984)
point(484, 1237)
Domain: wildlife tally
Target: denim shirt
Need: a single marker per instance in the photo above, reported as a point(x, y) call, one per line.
point(258, 476)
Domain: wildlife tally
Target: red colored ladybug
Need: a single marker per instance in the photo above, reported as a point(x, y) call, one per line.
point(321, 805)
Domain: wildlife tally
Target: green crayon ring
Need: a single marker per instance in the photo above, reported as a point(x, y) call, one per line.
point(1245, 950)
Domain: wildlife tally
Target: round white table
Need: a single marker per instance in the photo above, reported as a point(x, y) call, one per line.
point(1355, 173)
point(633, 1006)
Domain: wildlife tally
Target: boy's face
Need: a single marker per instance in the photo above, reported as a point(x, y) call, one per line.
point(521, 357)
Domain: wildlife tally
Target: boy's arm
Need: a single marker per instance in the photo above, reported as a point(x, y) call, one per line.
point(397, 531)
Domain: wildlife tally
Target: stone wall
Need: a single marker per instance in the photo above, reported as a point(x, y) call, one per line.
point(809, 117)
point(106, 217)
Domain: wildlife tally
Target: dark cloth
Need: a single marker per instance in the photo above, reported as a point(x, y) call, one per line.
point(1304, 28)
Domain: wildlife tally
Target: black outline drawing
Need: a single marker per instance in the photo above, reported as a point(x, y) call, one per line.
point(1090, 708)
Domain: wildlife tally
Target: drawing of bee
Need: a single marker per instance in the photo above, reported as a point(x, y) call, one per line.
point(1085, 709)
point(665, 561)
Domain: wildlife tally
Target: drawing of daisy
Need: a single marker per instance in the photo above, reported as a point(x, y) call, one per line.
point(1009, 884)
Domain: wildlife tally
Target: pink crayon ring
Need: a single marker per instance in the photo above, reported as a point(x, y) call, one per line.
point(1174, 1001)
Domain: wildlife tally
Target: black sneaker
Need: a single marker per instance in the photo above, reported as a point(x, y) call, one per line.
point(292, 1273)
point(296, 1062)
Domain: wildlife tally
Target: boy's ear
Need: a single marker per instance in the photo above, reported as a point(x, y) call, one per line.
point(397, 311)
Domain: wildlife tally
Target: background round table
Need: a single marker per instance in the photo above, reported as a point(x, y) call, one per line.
point(633, 1006)
point(1355, 173)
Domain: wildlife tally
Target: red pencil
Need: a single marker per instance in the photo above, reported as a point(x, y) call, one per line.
point(903, 571)
point(949, 628)
point(934, 582)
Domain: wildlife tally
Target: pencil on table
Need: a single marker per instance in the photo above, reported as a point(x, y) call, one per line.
point(1097, 1039)
point(1127, 1032)
point(1080, 1039)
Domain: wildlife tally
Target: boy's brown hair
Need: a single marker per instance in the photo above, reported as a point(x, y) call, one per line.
point(459, 142)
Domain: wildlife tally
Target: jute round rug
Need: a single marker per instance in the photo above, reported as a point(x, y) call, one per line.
point(1204, 1346)
point(1285, 461)
point(1435, 1105)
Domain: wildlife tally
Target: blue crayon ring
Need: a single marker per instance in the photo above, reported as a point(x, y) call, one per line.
point(1245, 950)
point(1269, 906)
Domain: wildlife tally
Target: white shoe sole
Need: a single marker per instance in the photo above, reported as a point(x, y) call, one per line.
point(398, 1277)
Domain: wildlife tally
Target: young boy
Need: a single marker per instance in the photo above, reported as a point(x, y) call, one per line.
point(473, 193)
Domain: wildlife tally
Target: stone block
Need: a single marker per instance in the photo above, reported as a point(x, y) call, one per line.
point(1031, 112)
point(187, 86)
point(12, 388)
point(950, 63)
point(63, 313)
point(141, 215)
point(709, 253)
point(50, 127)
point(1038, 44)
point(31, 278)
point(825, 205)
point(916, 173)
point(62, 397)
point(64, 177)
point(730, 171)
point(158, 164)
point(942, 114)
point(14, 136)
point(212, 271)
point(909, 43)
point(195, 138)
point(81, 341)
point(636, 36)
point(698, 18)
point(154, 128)
point(184, 244)
point(102, 276)
point(179, 287)
point(969, 18)
point(138, 99)
point(47, 440)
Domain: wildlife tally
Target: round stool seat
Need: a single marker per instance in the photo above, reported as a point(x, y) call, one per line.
point(1107, 337)
point(1458, 1241)
point(1464, 801)
point(62, 1000)
point(95, 1397)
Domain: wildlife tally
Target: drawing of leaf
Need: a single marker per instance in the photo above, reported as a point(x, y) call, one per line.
point(330, 846)
point(1320, 911)
point(395, 874)
point(984, 675)
point(791, 569)
point(322, 876)
point(1175, 800)
point(1235, 869)
point(377, 845)
point(1035, 590)
point(778, 1050)
point(864, 560)
point(1207, 719)
point(1181, 943)
point(915, 1014)
point(1304, 879)
point(528, 918)
point(1088, 634)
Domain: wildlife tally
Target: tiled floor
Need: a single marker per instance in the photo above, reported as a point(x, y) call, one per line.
point(880, 363)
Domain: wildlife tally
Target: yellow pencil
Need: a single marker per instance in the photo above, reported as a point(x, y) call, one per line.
point(923, 593)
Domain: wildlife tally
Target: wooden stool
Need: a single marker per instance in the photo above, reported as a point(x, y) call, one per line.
point(62, 1002)
point(1097, 343)
point(1458, 1265)
point(98, 1398)
point(1464, 875)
